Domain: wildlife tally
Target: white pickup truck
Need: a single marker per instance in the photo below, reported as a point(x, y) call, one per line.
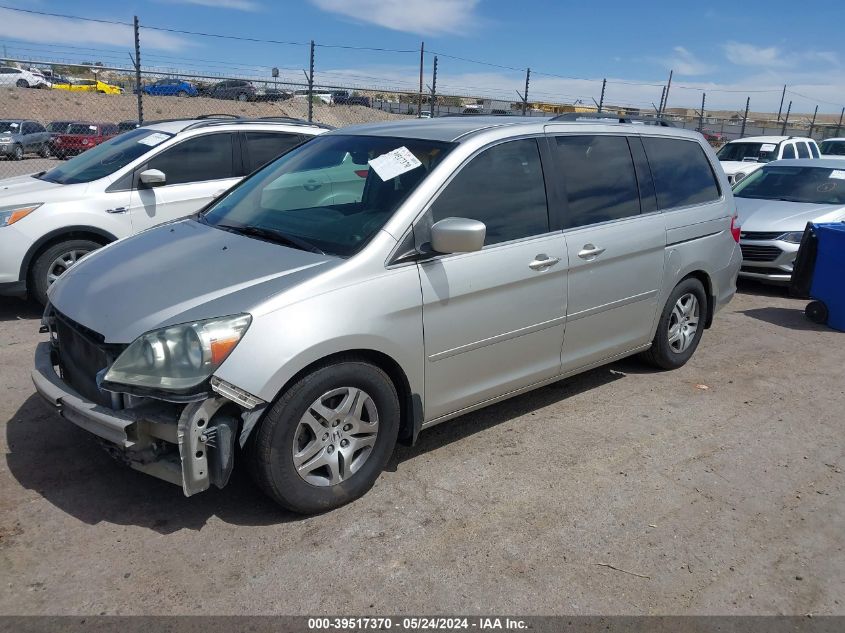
point(745, 155)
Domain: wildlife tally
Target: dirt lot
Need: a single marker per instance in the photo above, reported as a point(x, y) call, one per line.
point(719, 485)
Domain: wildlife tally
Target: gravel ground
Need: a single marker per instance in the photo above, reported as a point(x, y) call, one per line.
point(714, 489)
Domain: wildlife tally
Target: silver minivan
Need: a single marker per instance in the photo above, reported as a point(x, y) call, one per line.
point(476, 259)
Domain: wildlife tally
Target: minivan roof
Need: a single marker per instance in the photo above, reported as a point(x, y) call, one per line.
point(454, 128)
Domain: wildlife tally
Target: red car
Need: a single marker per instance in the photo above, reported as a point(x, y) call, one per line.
point(82, 135)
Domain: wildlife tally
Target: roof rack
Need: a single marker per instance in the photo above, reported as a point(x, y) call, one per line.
point(616, 118)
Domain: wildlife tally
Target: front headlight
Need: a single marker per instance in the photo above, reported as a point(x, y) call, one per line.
point(792, 238)
point(179, 357)
point(12, 213)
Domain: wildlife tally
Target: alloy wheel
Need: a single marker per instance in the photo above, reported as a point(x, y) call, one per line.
point(683, 322)
point(62, 263)
point(335, 436)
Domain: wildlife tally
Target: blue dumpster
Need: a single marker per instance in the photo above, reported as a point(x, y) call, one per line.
point(828, 286)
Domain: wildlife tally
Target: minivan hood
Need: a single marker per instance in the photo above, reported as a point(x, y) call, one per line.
point(176, 273)
point(779, 215)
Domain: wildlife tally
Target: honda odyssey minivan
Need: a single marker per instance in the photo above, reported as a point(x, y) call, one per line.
point(475, 259)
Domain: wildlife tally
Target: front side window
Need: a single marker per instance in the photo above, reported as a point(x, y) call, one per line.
point(207, 157)
point(262, 147)
point(814, 185)
point(599, 176)
point(106, 158)
point(10, 127)
point(682, 174)
point(503, 187)
point(803, 152)
point(324, 195)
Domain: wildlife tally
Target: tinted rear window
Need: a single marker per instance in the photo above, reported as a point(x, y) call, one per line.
point(682, 174)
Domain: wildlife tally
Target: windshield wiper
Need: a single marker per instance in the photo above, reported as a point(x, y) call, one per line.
point(272, 235)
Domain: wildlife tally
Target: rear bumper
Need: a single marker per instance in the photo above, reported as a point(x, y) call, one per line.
point(170, 442)
point(724, 281)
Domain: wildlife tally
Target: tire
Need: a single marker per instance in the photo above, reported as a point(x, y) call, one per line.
point(817, 312)
point(22, 83)
point(44, 265)
point(44, 151)
point(671, 354)
point(283, 430)
point(242, 96)
point(181, 93)
point(17, 153)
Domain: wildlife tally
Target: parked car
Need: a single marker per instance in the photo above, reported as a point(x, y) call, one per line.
point(129, 183)
point(237, 89)
point(55, 128)
point(11, 76)
point(478, 258)
point(743, 156)
point(273, 94)
point(832, 148)
point(325, 97)
point(88, 85)
point(714, 138)
point(81, 136)
point(171, 88)
point(774, 205)
point(19, 137)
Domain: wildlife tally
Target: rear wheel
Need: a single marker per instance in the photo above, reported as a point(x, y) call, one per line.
point(22, 83)
point(243, 96)
point(181, 93)
point(817, 312)
point(328, 437)
point(44, 151)
point(680, 327)
point(53, 262)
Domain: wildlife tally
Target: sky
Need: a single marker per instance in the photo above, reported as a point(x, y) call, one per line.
point(729, 50)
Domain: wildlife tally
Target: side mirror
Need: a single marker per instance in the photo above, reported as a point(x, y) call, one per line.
point(457, 235)
point(152, 178)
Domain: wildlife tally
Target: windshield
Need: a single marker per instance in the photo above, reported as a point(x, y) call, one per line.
point(814, 185)
point(833, 148)
point(10, 126)
point(58, 126)
point(81, 128)
point(754, 152)
point(106, 158)
point(325, 194)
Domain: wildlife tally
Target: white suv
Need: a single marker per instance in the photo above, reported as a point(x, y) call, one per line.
point(143, 177)
point(745, 155)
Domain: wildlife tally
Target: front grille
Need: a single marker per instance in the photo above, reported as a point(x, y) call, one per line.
point(760, 235)
point(81, 356)
point(754, 253)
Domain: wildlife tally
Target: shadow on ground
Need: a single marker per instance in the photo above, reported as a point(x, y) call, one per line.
point(12, 308)
point(67, 467)
point(792, 318)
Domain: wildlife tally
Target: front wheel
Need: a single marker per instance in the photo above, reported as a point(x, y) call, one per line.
point(53, 262)
point(181, 93)
point(243, 97)
point(22, 83)
point(328, 437)
point(680, 327)
point(44, 151)
point(17, 153)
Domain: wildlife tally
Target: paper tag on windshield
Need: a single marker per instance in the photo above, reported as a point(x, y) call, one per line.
point(92, 127)
point(768, 147)
point(839, 174)
point(394, 163)
point(154, 139)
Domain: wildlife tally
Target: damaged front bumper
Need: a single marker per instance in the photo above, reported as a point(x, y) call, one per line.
point(191, 445)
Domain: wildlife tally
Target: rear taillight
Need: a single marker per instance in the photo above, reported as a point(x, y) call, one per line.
point(362, 173)
point(735, 228)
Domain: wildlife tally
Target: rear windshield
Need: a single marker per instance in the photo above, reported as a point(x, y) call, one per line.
point(326, 195)
point(106, 158)
point(10, 126)
point(833, 148)
point(814, 185)
point(753, 152)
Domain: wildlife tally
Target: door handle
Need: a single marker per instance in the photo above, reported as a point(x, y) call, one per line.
point(541, 262)
point(118, 210)
point(590, 251)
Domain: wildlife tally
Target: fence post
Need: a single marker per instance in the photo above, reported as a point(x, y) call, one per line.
point(666, 98)
point(701, 114)
point(813, 123)
point(433, 86)
point(786, 119)
point(601, 99)
point(311, 84)
point(525, 94)
point(782, 96)
point(745, 117)
point(840, 121)
point(138, 71)
point(422, 64)
point(662, 95)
